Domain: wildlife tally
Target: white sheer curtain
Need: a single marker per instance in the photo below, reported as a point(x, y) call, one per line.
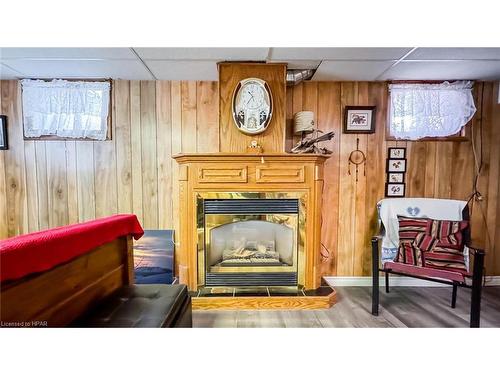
point(430, 110)
point(65, 108)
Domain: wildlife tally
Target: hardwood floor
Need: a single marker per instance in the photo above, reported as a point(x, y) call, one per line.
point(402, 307)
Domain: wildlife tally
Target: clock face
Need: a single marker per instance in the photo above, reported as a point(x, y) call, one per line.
point(252, 106)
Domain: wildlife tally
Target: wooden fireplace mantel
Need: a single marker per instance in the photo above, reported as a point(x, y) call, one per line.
point(244, 172)
point(230, 156)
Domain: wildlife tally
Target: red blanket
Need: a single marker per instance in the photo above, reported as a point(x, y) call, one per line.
point(40, 251)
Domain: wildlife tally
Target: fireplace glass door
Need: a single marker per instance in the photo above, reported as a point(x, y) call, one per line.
point(250, 242)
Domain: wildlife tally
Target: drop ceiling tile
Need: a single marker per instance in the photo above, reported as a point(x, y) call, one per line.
point(117, 69)
point(335, 53)
point(300, 64)
point(67, 53)
point(444, 70)
point(454, 54)
point(184, 70)
point(7, 73)
point(350, 70)
point(217, 54)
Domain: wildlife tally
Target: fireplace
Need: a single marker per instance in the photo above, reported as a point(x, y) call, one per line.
point(250, 239)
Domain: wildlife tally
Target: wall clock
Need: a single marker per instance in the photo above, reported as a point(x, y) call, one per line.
point(252, 106)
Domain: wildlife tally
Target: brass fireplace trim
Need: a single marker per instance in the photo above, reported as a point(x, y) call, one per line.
point(301, 227)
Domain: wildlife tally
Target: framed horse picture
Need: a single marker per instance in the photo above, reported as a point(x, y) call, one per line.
point(359, 119)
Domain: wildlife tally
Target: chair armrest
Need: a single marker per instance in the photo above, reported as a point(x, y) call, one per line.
point(476, 251)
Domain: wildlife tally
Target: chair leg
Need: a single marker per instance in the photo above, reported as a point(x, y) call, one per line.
point(454, 296)
point(375, 277)
point(477, 284)
point(387, 282)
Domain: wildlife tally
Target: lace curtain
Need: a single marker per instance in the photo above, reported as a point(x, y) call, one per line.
point(65, 108)
point(430, 110)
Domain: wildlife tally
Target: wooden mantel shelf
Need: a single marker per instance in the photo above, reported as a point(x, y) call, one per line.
point(230, 156)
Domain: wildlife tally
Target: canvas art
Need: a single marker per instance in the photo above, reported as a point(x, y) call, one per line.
point(154, 257)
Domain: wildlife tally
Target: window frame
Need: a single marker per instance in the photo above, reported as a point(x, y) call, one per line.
point(109, 124)
point(463, 136)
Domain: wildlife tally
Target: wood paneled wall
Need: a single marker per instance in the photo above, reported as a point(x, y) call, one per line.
point(50, 183)
point(435, 170)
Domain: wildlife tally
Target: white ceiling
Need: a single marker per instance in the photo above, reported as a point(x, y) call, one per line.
point(335, 64)
point(330, 70)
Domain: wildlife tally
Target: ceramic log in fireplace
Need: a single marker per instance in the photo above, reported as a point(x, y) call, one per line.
point(250, 238)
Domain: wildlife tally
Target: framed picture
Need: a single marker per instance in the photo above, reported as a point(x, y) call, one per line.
point(3, 133)
point(395, 178)
point(360, 119)
point(397, 152)
point(394, 190)
point(396, 165)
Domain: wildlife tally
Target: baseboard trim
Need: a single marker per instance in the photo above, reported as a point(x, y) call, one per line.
point(394, 281)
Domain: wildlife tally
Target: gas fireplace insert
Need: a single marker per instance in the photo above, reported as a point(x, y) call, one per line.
point(250, 239)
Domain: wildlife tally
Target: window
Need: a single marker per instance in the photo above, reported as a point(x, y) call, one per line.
point(430, 110)
point(66, 109)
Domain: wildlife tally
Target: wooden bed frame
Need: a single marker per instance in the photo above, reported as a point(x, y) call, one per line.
point(56, 297)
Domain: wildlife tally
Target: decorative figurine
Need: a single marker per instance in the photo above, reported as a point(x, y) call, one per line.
point(308, 145)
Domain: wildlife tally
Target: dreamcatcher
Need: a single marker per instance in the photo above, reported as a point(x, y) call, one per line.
point(357, 157)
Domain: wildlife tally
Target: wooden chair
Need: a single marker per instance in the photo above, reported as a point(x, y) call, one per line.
point(455, 279)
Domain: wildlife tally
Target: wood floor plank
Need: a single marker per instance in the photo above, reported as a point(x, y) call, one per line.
point(402, 307)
